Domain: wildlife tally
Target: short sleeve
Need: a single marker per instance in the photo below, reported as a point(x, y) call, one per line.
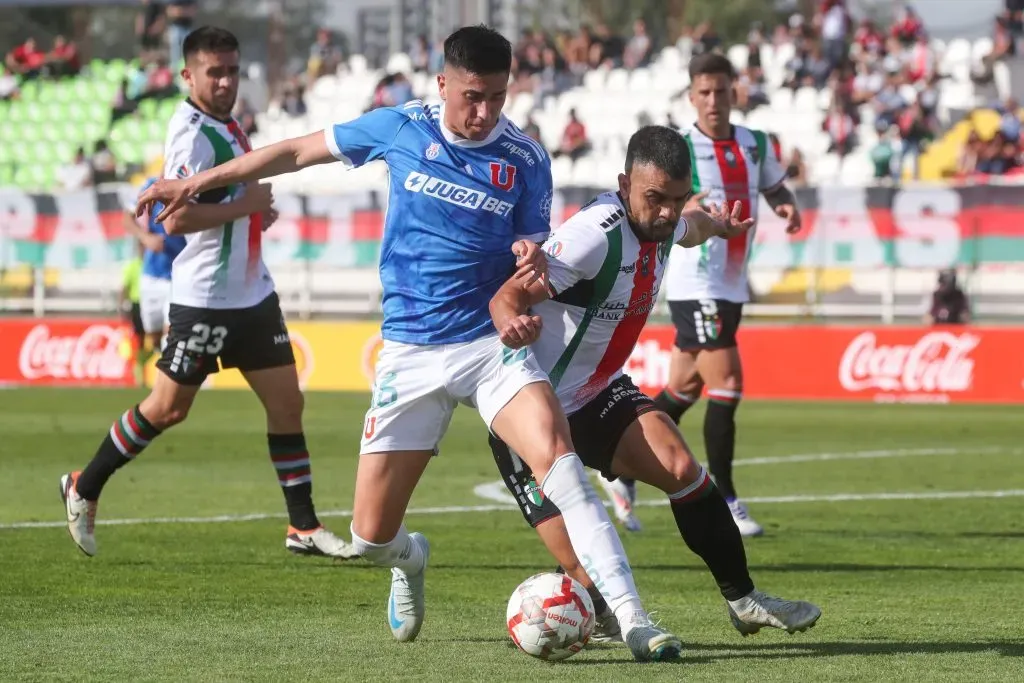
point(532, 214)
point(366, 138)
point(575, 252)
point(772, 173)
point(191, 152)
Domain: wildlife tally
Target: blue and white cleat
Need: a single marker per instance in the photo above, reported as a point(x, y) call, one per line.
point(406, 607)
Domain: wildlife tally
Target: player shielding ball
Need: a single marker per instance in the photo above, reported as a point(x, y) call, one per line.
point(222, 308)
point(468, 192)
point(605, 266)
point(707, 287)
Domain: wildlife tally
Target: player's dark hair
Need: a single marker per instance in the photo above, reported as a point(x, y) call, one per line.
point(479, 50)
point(661, 147)
point(711, 64)
point(209, 39)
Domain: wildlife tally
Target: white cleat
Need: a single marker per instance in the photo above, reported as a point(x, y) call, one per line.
point(744, 522)
point(622, 497)
point(320, 542)
point(606, 628)
point(81, 514)
point(756, 610)
point(406, 607)
point(649, 643)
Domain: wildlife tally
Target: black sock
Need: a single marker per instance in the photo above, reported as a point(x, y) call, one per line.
point(673, 404)
point(600, 606)
point(291, 460)
point(707, 528)
point(128, 436)
point(720, 439)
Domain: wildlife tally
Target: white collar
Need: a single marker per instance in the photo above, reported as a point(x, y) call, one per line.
point(459, 141)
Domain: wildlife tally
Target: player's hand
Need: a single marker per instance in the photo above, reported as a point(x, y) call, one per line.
point(791, 215)
point(269, 218)
point(530, 261)
point(729, 223)
point(520, 331)
point(696, 201)
point(153, 243)
point(173, 194)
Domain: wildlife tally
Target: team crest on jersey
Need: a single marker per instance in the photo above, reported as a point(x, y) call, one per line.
point(183, 171)
point(433, 150)
point(503, 175)
point(730, 157)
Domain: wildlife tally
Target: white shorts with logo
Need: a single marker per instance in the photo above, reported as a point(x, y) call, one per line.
point(154, 303)
point(417, 387)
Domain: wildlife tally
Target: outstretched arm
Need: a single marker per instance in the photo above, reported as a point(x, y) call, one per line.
point(702, 225)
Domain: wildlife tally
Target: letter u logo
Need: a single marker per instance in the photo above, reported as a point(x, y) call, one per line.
point(503, 176)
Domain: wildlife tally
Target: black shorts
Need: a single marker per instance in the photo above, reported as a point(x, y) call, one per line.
point(253, 338)
point(136, 317)
point(705, 324)
point(596, 431)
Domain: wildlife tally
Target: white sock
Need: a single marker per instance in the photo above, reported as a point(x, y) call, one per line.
point(399, 552)
point(593, 536)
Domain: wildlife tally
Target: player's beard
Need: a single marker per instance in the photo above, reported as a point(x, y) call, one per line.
point(657, 230)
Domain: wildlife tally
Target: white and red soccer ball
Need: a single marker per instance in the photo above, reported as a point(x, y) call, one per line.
point(550, 616)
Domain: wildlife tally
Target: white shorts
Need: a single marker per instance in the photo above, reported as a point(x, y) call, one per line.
point(154, 303)
point(417, 387)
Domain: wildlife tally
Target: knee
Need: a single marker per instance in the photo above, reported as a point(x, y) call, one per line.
point(682, 467)
point(732, 382)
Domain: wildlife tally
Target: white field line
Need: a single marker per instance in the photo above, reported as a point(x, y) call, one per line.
point(497, 493)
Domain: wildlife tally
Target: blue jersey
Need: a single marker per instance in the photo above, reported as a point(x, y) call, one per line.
point(455, 207)
point(158, 264)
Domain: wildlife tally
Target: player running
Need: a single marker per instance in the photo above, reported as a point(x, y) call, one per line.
point(155, 282)
point(707, 287)
point(605, 266)
point(222, 307)
point(467, 190)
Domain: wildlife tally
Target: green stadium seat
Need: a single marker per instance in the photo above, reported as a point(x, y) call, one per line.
point(6, 155)
point(64, 152)
point(6, 173)
point(115, 71)
point(148, 108)
point(30, 90)
point(16, 112)
point(22, 153)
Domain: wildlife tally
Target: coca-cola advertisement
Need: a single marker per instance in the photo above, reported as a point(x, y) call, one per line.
point(59, 351)
point(885, 364)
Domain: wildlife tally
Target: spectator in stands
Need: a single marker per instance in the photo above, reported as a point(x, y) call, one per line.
point(907, 26)
point(916, 130)
point(868, 82)
point(1003, 45)
point(181, 16)
point(605, 48)
point(888, 103)
point(750, 90)
point(26, 60)
point(123, 104)
point(1009, 123)
point(883, 155)
point(419, 54)
point(104, 165)
point(532, 130)
point(292, 102)
point(834, 26)
point(706, 39)
point(948, 304)
point(9, 87)
point(967, 164)
point(920, 60)
point(150, 25)
point(63, 58)
point(160, 80)
point(77, 175)
point(796, 169)
point(671, 122)
point(808, 68)
point(997, 156)
point(574, 139)
point(245, 114)
point(755, 41)
point(324, 55)
point(577, 51)
point(637, 52)
point(840, 128)
point(869, 41)
point(549, 81)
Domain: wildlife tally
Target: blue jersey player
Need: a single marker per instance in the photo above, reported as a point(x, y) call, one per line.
point(155, 281)
point(468, 193)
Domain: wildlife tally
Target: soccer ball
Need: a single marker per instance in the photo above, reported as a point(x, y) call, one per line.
point(550, 616)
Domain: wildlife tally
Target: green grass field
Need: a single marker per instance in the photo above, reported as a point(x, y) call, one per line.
point(920, 589)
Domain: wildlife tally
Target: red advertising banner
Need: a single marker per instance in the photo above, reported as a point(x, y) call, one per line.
point(65, 352)
point(975, 364)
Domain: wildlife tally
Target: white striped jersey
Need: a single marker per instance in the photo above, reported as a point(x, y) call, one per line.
point(221, 267)
point(603, 282)
point(739, 169)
